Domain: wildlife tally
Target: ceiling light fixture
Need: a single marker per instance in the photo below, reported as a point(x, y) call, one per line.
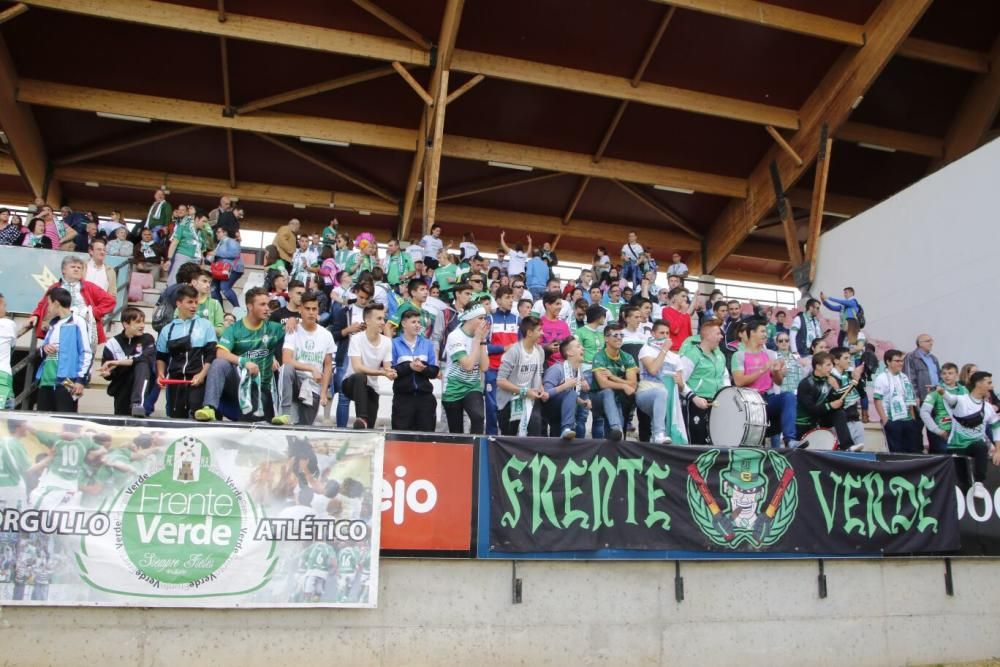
point(876, 147)
point(834, 214)
point(363, 212)
point(667, 188)
point(92, 184)
point(857, 102)
point(299, 205)
point(508, 165)
point(325, 142)
point(3, 137)
point(121, 116)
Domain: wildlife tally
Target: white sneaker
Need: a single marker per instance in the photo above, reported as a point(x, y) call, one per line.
point(856, 448)
point(568, 434)
point(662, 440)
point(979, 491)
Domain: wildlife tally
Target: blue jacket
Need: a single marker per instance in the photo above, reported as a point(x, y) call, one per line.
point(72, 335)
point(407, 380)
point(230, 250)
point(536, 273)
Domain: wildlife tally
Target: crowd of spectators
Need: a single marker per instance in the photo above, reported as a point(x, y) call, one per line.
point(508, 346)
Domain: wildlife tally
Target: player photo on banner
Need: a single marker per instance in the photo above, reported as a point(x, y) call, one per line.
point(189, 517)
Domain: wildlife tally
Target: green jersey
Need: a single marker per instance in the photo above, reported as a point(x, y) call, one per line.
point(189, 240)
point(966, 408)
point(592, 340)
point(426, 318)
point(705, 372)
point(13, 462)
point(69, 461)
point(329, 236)
point(613, 309)
point(318, 559)
point(618, 366)
point(461, 382)
point(260, 345)
point(446, 277)
point(939, 411)
point(348, 560)
point(844, 379)
point(111, 479)
point(396, 266)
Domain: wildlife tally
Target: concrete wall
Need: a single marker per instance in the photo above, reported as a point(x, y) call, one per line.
point(606, 613)
point(926, 260)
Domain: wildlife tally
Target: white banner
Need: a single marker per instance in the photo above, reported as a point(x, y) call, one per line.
point(194, 517)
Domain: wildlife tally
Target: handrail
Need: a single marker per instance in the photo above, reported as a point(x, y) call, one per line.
point(21, 401)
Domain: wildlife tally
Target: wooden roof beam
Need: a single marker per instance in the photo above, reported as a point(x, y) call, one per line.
point(840, 206)
point(13, 12)
point(945, 54)
point(174, 110)
point(904, 142)
point(831, 103)
point(134, 141)
point(23, 136)
point(394, 23)
point(315, 89)
point(660, 208)
point(329, 166)
point(976, 114)
point(496, 183)
point(251, 28)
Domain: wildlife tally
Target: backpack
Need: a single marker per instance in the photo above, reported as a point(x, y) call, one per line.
point(163, 314)
point(861, 317)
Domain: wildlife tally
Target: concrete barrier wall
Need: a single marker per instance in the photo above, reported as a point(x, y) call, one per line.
point(606, 613)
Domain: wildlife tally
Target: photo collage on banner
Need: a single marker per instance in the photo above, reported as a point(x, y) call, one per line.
point(92, 514)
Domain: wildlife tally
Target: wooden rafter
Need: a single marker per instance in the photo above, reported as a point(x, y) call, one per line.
point(231, 158)
point(815, 25)
point(23, 137)
point(818, 201)
point(662, 209)
point(133, 141)
point(496, 183)
point(394, 23)
point(976, 114)
point(79, 98)
point(439, 91)
point(227, 100)
point(13, 12)
point(315, 89)
point(905, 142)
point(782, 18)
point(780, 140)
point(836, 204)
point(326, 165)
point(640, 71)
point(787, 217)
point(831, 103)
point(417, 88)
point(464, 88)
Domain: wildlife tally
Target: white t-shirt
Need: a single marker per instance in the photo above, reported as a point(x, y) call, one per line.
point(415, 251)
point(516, 262)
point(639, 336)
point(432, 246)
point(98, 276)
point(468, 249)
point(371, 356)
point(311, 347)
point(8, 338)
point(631, 251)
point(677, 269)
point(671, 362)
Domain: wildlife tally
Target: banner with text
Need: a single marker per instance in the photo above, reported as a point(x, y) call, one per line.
point(427, 496)
point(546, 496)
point(92, 514)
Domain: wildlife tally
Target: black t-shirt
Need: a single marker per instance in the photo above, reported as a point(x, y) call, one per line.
point(283, 314)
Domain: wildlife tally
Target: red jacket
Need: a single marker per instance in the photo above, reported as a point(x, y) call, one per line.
point(100, 302)
point(680, 327)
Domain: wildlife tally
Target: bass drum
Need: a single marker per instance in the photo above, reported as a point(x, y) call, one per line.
point(738, 418)
point(820, 439)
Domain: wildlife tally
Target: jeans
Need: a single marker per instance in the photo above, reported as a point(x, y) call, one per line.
point(536, 292)
point(343, 403)
point(470, 404)
point(490, 394)
point(606, 405)
point(224, 288)
point(936, 444)
point(560, 413)
point(653, 402)
point(289, 401)
point(782, 406)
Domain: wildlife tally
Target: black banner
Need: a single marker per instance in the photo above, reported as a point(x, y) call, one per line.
point(546, 495)
point(980, 517)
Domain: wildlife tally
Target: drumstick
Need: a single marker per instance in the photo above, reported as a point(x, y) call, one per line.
point(721, 521)
point(171, 381)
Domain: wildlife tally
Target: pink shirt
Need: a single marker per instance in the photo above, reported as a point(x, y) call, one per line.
point(752, 363)
point(553, 330)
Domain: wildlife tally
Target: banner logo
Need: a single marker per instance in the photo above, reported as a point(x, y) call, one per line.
point(751, 510)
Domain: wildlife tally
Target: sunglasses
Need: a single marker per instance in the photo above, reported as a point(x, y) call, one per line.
point(518, 286)
point(617, 334)
point(782, 340)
